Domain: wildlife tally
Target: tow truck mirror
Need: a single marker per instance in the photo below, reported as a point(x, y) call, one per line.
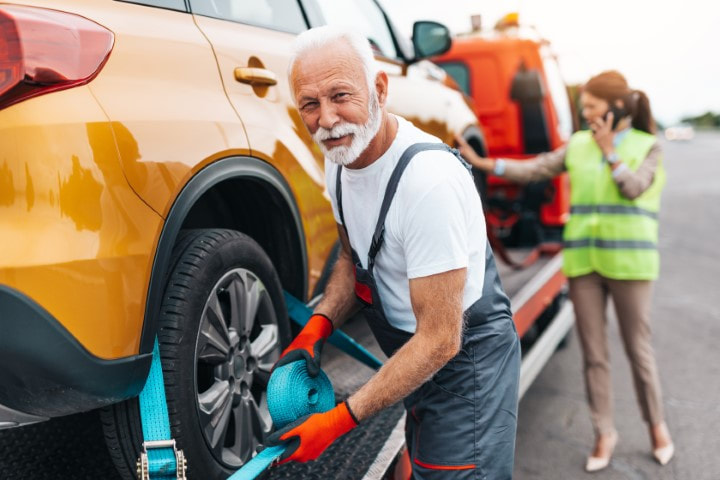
point(527, 86)
point(430, 39)
point(528, 91)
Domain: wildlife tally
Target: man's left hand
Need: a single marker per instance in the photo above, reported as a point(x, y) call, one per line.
point(309, 436)
point(308, 344)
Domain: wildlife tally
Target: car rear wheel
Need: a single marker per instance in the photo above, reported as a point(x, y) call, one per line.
point(223, 326)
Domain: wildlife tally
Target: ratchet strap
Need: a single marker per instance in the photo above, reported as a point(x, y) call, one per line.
point(291, 394)
point(301, 313)
point(160, 459)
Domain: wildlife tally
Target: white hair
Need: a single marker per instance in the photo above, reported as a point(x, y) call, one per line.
point(320, 37)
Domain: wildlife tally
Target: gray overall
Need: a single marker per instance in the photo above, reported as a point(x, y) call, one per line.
point(461, 423)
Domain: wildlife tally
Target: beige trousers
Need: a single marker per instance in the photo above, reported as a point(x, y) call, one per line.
point(631, 299)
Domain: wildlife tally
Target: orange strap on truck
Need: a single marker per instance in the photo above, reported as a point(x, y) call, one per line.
point(549, 248)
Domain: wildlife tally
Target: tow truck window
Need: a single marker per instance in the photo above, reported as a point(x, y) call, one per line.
point(559, 94)
point(283, 15)
point(460, 73)
point(362, 15)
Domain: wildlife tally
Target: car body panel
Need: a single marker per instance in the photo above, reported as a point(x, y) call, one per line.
point(172, 117)
point(75, 237)
point(159, 111)
point(90, 175)
point(277, 134)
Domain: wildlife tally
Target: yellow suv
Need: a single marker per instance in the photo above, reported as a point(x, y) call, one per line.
point(156, 180)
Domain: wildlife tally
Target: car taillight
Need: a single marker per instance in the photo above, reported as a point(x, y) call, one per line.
point(46, 50)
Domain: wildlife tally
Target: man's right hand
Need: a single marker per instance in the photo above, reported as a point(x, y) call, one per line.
point(308, 344)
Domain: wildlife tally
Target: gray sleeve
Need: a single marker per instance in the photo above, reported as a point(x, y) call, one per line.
point(543, 167)
point(631, 183)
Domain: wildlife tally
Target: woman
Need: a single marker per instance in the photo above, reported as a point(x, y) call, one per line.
point(610, 244)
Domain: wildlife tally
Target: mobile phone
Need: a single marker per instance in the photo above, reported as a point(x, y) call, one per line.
point(618, 114)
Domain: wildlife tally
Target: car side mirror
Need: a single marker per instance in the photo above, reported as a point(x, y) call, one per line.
point(430, 39)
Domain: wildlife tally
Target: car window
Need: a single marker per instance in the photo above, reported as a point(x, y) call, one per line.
point(460, 73)
point(559, 94)
point(168, 4)
point(362, 15)
point(283, 15)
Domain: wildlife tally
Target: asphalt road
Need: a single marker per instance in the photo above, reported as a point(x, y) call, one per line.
point(554, 432)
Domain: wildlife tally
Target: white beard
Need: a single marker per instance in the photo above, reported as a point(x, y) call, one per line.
point(362, 136)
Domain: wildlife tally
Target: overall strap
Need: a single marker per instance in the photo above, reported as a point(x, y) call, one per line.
point(390, 190)
point(338, 196)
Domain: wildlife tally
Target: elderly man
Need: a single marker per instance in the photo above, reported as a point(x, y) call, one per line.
point(416, 257)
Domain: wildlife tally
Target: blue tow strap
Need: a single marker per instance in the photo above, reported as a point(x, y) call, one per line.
point(301, 313)
point(291, 394)
point(161, 462)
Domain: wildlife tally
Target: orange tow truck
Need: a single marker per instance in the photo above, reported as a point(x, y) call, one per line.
point(523, 105)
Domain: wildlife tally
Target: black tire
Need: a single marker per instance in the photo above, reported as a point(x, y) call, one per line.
point(210, 350)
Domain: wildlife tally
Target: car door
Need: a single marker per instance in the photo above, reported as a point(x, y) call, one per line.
point(252, 44)
point(169, 113)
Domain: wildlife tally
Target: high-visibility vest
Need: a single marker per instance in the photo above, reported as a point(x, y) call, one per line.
point(606, 232)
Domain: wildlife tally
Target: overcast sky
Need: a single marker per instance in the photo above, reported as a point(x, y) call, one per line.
point(668, 49)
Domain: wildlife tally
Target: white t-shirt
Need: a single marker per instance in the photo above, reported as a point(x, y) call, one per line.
point(435, 222)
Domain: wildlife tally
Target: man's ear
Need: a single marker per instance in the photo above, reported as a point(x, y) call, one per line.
point(381, 87)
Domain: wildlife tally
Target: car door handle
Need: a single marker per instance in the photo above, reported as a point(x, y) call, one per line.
point(255, 76)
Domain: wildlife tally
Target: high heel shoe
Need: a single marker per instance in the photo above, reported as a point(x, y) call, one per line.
point(659, 433)
point(664, 454)
point(595, 464)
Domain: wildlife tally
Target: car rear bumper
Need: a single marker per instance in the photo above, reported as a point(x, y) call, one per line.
point(45, 372)
point(12, 418)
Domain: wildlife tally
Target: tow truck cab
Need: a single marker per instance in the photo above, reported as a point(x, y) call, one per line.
point(523, 105)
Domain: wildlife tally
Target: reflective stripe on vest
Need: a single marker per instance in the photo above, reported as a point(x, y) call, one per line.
point(608, 233)
point(594, 242)
point(615, 209)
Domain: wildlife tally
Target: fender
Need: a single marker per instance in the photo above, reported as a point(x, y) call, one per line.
point(204, 180)
point(475, 137)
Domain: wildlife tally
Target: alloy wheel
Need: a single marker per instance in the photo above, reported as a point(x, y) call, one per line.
point(237, 346)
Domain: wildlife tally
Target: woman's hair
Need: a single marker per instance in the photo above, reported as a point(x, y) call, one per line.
point(612, 86)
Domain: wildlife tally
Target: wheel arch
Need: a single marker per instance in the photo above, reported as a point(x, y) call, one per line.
point(476, 138)
point(240, 193)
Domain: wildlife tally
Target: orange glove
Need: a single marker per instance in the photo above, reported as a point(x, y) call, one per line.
point(308, 344)
point(310, 435)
